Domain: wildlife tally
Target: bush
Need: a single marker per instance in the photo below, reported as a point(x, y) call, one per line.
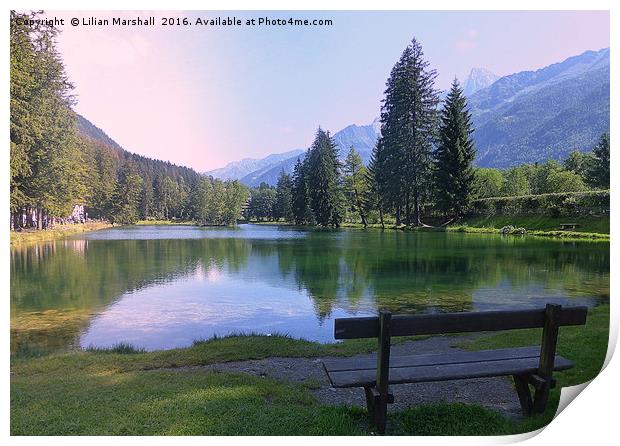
point(553, 205)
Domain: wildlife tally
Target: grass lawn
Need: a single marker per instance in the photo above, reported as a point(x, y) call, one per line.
point(535, 224)
point(127, 392)
point(58, 231)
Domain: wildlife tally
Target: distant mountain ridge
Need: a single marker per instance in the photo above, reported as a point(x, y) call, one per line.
point(545, 114)
point(478, 79)
point(529, 116)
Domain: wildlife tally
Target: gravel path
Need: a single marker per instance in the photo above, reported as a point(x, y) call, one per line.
point(493, 393)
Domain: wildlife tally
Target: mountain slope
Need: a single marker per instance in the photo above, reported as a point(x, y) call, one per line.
point(362, 137)
point(478, 79)
point(238, 169)
point(545, 114)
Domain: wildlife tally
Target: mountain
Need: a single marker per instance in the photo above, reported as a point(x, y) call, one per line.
point(238, 169)
point(98, 141)
point(362, 137)
point(545, 114)
point(478, 79)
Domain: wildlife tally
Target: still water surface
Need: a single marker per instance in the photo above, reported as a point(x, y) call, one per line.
point(160, 287)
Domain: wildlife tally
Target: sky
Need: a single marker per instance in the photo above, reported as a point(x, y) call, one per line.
point(203, 96)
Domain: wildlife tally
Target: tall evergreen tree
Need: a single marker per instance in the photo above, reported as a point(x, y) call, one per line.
point(599, 172)
point(454, 173)
point(300, 198)
point(355, 185)
point(284, 197)
point(127, 195)
point(324, 183)
point(408, 131)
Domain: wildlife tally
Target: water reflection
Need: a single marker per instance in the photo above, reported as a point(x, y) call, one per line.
point(162, 287)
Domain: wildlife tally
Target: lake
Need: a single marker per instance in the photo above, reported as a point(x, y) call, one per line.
point(161, 287)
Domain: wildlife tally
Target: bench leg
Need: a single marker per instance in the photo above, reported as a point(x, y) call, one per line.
point(377, 407)
point(523, 390)
point(541, 396)
point(370, 402)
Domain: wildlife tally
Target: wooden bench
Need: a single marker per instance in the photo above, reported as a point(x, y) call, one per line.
point(564, 226)
point(528, 366)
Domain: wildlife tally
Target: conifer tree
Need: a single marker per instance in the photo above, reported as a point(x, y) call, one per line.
point(284, 197)
point(599, 172)
point(127, 195)
point(454, 173)
point(300, 199)
point(408, 131)
point(355, 185)
point(324, 183)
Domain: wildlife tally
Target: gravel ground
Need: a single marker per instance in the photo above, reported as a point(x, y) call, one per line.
point(493, 393)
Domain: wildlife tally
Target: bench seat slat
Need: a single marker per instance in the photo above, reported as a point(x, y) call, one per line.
point(343, 364)
point(444, 372)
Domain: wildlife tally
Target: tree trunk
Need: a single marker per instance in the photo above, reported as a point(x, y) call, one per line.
point(381, 217)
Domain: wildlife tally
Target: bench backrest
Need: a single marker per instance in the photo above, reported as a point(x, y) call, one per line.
point(426, 324)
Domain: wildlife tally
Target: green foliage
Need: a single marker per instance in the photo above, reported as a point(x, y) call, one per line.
point(216, 202)
point(560, 181)
point(553, 205)
point(47, 168)
point(356, 187)
point(579, 163)
point(598, 175)
point(516, 182)
point(126, 197)
point(488, 182)
point(262, 203)
point(283, 207)
point(453, 173)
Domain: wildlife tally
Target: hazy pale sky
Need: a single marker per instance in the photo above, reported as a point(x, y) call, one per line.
point(202, 96)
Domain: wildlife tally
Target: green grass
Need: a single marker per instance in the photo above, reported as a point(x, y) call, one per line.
point(58, 231)
point(123, 391)
point(587, 224)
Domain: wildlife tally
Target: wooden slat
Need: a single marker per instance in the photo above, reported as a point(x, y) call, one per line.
point(425, 324)
point(343, 364)
point(444, 372)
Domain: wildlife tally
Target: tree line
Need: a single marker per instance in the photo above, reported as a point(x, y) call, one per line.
point(57, 161)
point(421, 167)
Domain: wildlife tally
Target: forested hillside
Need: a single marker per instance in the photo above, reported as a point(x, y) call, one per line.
point(533, 116)
point(59, 159)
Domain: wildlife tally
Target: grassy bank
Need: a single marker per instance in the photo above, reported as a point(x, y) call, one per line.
point(586, 224)
point(58, 231)
point(592, 228)
point(127, 392)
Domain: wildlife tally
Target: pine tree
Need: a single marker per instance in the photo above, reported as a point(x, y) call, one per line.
point(284, 197)
point(454, 174)
point(355, 186)
point(599, 172)
point(408, 131)
point(324, 183)
point(373, 199)
point(126, 199)
point(300, 199)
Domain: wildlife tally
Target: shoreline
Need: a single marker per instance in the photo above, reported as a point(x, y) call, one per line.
point(57, 232)
point(555, 234)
